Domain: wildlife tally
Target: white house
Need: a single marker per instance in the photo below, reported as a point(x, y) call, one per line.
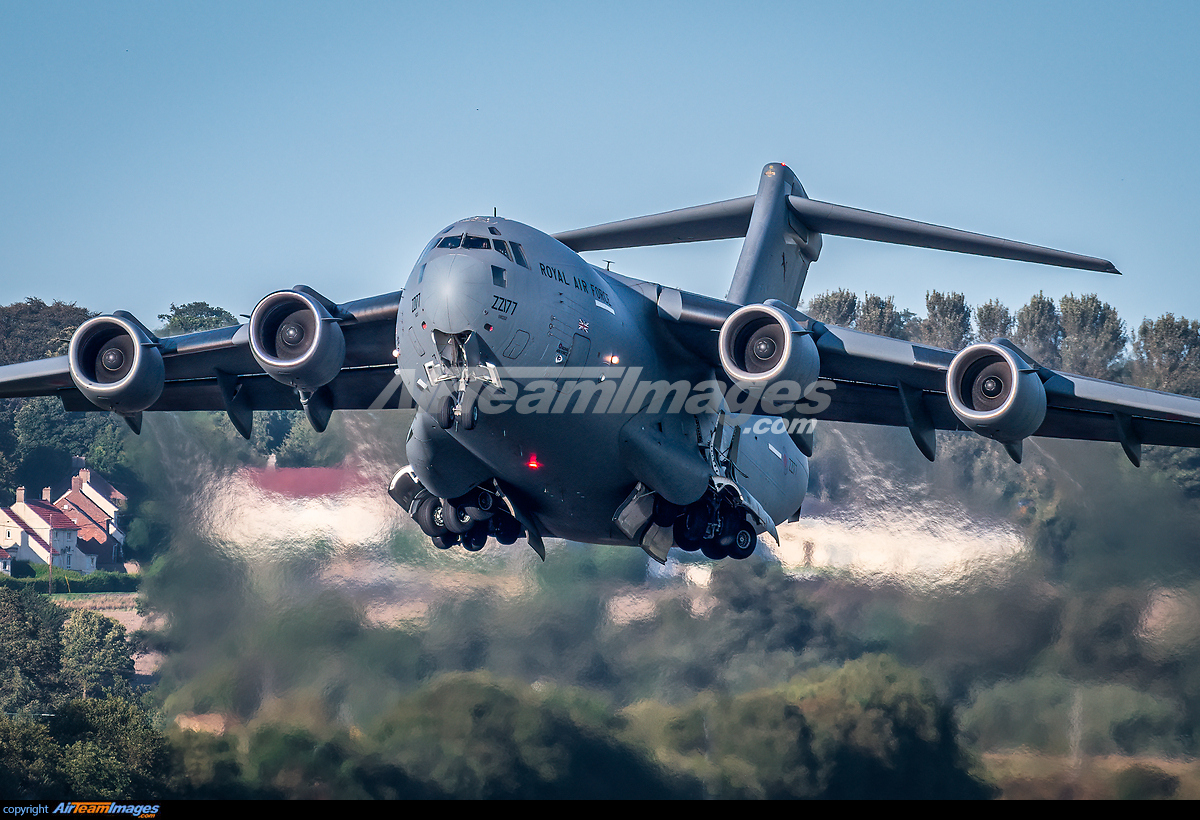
point(38, 532)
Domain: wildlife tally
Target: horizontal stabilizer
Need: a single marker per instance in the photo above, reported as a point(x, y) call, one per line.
point(717, 220)
point(731, 218)
point(838, 220)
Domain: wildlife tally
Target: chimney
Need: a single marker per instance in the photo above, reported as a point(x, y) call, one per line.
point(45, 493)
point(76, 483)
point(85, 475)
point(20, 495)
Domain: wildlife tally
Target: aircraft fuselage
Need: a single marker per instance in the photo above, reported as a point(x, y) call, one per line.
point(490, 291)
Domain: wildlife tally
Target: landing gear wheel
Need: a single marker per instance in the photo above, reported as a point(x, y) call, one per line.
point(476, 539)
point(479, 504)
point(744, 541)
point(714, 550)
point(506, 529)
point(445, 542)
point(683, 540)
point(445, 413)
point(470, 417)
point(457, 520)
point(429, 517)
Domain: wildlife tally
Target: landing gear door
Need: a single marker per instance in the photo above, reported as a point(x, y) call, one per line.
point(770, 466)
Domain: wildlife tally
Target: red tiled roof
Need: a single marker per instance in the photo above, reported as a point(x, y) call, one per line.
point(52, 515)
point(82, 505)
point(32, 533)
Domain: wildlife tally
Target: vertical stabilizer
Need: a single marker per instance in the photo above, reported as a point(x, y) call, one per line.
point(778, 248)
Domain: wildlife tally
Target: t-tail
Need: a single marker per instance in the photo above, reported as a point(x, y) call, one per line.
point(782, 229)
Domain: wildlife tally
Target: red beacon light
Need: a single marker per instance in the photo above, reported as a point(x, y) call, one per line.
point(533, 463)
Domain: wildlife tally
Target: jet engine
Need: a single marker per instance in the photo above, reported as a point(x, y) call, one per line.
point(116, 364)
point(761, 344)
point(995, 393)
point(296, 341)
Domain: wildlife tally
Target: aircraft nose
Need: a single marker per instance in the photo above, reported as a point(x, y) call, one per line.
point(456, 292)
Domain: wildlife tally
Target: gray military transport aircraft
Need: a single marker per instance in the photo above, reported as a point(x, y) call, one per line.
point(556, 398)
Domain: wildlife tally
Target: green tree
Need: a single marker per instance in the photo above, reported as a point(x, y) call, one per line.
point(1039, 330)
point(34, 330)
point(948, 320)
point(47, 437)
point(878, 315)
point(880, 731)
point(111, 750)
point(476, 737)
point(1093, 339)
point(193, 317)
point(30, 650)
point(1166, 354)
point(993, 320)
point(837, 307)
point(30, 760)
point(95, 652)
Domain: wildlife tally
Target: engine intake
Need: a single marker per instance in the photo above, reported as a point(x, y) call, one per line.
point(296, 341)
point(116, 364)
point(761, 344)
point(995, 393)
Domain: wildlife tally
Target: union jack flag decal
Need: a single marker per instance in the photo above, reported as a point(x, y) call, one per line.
point(583, 325)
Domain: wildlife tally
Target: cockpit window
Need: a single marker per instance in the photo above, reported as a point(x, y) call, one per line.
point(493, 231)
point(518, 254)
point(450, 242)
point(477, 243)
point(501, 246)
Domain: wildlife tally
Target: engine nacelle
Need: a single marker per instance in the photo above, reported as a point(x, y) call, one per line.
point(296, 341)
point(116, 364)
point(995, 393)
point(761, 344)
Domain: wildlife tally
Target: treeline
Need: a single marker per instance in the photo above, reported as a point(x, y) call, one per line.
point(1079, 334)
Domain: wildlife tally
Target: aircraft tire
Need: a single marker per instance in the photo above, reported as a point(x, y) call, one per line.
point(476, 538)
point(506, 529)
point(470, 417)
point(714, 550)
point(745, 540)
point(479, 504)
point(445, 413)
point(683, 539)
point(456, 518)
point(429, 517)
point(445, 542)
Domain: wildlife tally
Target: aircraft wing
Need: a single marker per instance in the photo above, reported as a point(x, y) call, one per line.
point(889, 381)
point(217, 369)
point(880, 380)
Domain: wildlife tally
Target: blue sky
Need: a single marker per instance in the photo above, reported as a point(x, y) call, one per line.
point(169, 152)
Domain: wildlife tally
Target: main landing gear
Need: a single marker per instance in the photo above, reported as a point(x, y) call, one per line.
point(470, 519)
point(712, 525)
